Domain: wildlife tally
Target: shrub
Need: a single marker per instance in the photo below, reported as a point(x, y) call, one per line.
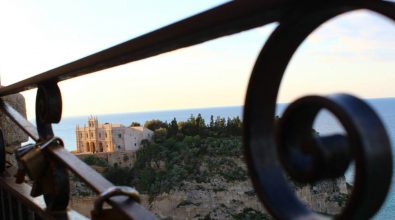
point(93, 160)
point(119, 175)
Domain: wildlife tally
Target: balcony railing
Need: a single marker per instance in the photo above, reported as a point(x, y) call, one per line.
point(266, 145)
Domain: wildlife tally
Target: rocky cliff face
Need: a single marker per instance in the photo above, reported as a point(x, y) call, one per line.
point(206, 178)
point(223, 199)
point(219, 199)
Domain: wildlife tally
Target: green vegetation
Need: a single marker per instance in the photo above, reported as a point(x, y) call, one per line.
point(92, 160)
point(115, 174)
point(135, 124)
point(181, 151)
point(191, 151)
point(188, 151)
point(121, 176)
point(217, 127)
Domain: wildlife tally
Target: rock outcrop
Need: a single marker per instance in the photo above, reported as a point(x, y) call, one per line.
point(223, 199)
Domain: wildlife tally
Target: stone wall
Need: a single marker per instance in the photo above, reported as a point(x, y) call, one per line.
point(13, 135)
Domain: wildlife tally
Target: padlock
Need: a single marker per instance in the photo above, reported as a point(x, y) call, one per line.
point(99, 213)
point(31, 159)
point(23, 155)
point(33, 163)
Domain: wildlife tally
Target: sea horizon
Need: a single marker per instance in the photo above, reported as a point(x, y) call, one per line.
point(185, 109)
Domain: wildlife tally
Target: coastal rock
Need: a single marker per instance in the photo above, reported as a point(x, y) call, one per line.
point(222, 200)
point(219, 199)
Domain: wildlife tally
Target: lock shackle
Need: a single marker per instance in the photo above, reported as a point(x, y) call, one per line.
point(50, 141)
point(130, 192)
point(43, 144)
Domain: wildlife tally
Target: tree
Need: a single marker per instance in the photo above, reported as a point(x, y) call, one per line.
point(173, 128)
point(234, 126)
point(211, 121)
point(93, 160)
point(220, 125)
point(119, 175)
point(160, 135)
point(155, 124)
point(135, 124)
point(200, 125)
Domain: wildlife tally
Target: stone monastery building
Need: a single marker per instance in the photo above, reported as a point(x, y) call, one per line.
point(95, 137)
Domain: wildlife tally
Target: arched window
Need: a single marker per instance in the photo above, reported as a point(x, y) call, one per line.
point(93, 147)
point(100, 147)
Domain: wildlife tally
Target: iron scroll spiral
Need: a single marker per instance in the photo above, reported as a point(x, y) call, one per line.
point(366, 141)
point(55, 184)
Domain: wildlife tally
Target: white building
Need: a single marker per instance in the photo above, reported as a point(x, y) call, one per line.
point(95, 137)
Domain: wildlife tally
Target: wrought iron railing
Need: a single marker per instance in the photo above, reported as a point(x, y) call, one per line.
point(266, 146)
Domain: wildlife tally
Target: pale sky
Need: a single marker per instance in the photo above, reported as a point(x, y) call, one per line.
point(352, 53)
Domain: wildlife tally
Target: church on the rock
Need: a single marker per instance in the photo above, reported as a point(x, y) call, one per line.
point(95, 137)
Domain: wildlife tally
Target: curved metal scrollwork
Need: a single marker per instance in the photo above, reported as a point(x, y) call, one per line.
point(48, 108)
point(55, 183)
point(307, 158)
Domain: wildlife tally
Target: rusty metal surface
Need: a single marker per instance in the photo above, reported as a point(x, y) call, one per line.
point(37, 204)
point(55, 184)
point(48, 109)
point(130, 209)
point(227, 19)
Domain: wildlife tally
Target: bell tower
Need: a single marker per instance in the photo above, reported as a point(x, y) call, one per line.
point(93, 122)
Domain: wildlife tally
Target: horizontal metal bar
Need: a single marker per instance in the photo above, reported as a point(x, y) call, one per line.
point(98, 183)
point(83, 171)
point(230, 18)
point(22, 193)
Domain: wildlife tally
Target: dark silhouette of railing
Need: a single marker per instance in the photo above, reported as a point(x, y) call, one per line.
point(305, 157)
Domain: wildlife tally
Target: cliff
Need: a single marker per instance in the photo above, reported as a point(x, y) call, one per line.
point(196, 171)
point(222, 198)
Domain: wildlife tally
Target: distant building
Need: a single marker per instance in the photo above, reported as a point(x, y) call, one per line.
point(95, 137)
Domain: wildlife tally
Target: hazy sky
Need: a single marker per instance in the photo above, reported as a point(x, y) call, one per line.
point(351, 53)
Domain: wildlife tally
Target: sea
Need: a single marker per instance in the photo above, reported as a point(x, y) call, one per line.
point(324, 124)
